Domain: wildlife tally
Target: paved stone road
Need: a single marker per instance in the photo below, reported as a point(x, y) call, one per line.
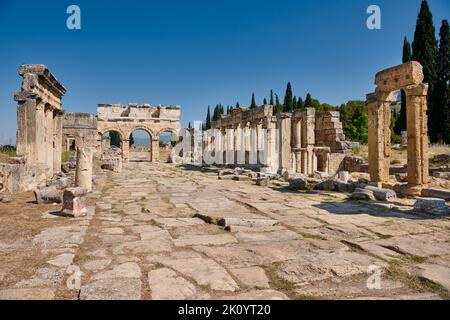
point(153, 235)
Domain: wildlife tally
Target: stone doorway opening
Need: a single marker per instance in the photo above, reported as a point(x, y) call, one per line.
point(111, 140)
point(140, 142)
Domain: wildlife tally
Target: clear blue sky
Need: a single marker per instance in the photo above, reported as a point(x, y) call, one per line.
point(199, 52)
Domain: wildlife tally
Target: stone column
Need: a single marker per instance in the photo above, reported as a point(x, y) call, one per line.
point(230, 146)
point(253, 151)
point(269, 155)
point(379, 135)
point(48, 148)
point(57, 152)
point(247, 143)
point(239, 145)
point(417, 126)
point(126, 149)
point(284, 126)
point(308, 136)
point(297, 126)
point(260, 140)
point(83, 175)
point(155, 149)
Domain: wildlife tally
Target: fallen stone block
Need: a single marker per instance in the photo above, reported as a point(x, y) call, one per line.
point(432, 206)
point(344, 176)
point(344, 187)
point(226, 177)
point(382, 194)
point(262, 182)
point(74, 202)
point(436, 193)
point(241, 178)
point(401, 177)
point(47, 195)
point(254, 223)
point(297, 184)
point(225, 172)
point(362, 194)
point(326, 185)
point(60, 183)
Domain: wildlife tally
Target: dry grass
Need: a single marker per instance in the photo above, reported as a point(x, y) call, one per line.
point(399, 156)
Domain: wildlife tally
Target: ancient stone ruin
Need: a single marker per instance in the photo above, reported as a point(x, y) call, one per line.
point(124, 119)
point(408, 77)
point(79, 131)
point(301, 141)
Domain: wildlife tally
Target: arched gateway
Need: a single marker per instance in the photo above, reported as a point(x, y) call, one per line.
point(125, 119)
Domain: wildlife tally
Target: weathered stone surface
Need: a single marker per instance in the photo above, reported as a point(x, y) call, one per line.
point(382, 194)
point(205, 272)
point(252, 277)
point(362, 194)
point(225, 222)
point(74, 202)
point(165, 284)
point(435, 273)
point(27, 294)
point(97, 264)
point(297, 184)
point(124, 270)
point(209, 240)
point(432, 206)
point(258, 295)
point(112, 289)
point(63, 260)
point(436, 193)
point(83, 176)
point(47, 195)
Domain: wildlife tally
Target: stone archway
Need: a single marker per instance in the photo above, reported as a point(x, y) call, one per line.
point(140, 152)
point(128, 118)
point(408, 77)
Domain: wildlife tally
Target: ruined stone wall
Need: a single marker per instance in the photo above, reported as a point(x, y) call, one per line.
point(21, 177)
point(124, 119)
point(39, 127)
point(329, 132)
point(79, 130)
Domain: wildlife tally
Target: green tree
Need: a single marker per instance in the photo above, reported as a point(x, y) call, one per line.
point(400, 124)
point(238, 106)
point(208, 120)
point(294, 103)
point(354, 117)
point(308, 101)
point(442, 90)
point(424, 51)
point(253, 103)
point(300, 103)
point(264, 101)
point(271, 102)
point(115, 140)
point(189, 125)
point(278, 106)
point(288, 99)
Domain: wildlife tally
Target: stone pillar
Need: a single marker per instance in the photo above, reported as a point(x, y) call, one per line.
point(49, 144)
point(230, 146)
point(260, 140)
point(57, 152)
point(155, 149)
point(284, 126)
point(239, 145)
point(269, 154)
point(297, 135)
point(126, 149)
point(379, 135)
point(417, 126)
point(308, 136)
point(253, 151)
point(83, 175)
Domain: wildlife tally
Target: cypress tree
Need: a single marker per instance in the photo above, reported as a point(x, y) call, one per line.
point(424, 51)
point(253, 103)
point(271, 98)
point(400, 124)
point(288, 103)
point(238, 106)
point(294, 103)
point(208, 120)
point(278, 106)
point(189, 125)
point(442, 90)
point(264, 101)
point(300, 103)
point(308, 101)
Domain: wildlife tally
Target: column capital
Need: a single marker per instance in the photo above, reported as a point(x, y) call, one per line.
point(417, 90)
